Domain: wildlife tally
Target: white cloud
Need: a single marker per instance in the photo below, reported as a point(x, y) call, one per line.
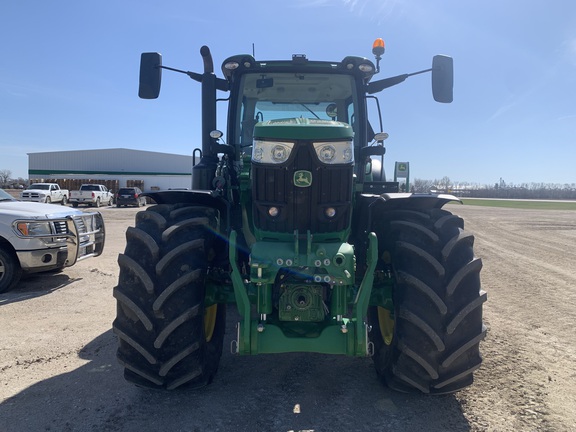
point(502, 110)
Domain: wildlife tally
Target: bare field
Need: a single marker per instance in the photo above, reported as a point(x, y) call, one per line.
point(58, 370)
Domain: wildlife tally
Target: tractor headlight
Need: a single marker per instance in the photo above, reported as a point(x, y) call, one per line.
point(271, 152)
point(335, 152)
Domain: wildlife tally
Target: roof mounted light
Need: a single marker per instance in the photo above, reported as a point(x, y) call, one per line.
point(378, 48)
point(232, 65)
point(365, 67)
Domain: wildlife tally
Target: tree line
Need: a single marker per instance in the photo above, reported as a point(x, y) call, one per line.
point(500, 189)
point(7, 182)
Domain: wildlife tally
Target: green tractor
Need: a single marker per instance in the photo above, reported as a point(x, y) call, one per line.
point(293, 221)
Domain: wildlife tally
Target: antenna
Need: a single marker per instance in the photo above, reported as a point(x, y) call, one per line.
point(253, 50)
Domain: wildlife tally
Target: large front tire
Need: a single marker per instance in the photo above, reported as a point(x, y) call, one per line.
point(167, 336)
point(430, 341)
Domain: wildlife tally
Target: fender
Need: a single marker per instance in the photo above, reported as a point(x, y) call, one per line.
point(416, 201)
point(205, 198)
point(367, 203)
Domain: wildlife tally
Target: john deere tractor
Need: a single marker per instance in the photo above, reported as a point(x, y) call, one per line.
point(292, 220)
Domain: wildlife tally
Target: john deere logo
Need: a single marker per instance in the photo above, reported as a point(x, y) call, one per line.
point(302, 178)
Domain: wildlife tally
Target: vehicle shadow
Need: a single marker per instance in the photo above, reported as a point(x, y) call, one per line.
point(290, 392)
point(37, 285)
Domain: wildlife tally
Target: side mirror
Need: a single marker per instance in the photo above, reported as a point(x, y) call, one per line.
point(150, 75)
point(442, 78)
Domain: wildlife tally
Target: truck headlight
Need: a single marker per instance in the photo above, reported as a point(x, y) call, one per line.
point(271, 152)
point(33, 229)
point(335, 152)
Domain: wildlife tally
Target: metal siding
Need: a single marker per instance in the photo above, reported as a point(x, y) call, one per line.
point(156, 170)
point(110, 160)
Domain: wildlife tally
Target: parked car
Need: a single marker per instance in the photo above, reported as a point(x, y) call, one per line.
point(38, 237)
point(45, 193)
point(130, 196)
point(93, 195)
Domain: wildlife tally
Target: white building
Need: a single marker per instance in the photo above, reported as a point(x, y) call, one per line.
point(116, 168)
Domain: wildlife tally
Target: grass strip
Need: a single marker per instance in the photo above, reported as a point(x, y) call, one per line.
point(527, 204)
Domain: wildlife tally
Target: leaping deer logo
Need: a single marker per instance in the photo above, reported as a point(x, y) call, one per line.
point(302, 178)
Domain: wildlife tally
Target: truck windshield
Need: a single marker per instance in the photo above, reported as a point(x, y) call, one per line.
point(274, 96)
point(39, 186)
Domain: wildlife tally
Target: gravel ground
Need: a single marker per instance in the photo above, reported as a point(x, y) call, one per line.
point(58, 370)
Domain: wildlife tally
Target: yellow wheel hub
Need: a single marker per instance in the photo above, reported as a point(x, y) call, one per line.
point(210, 321)
point(386, 324)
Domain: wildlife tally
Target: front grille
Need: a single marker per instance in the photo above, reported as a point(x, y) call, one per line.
point(302, 208)
point(60, 227)
point(30, 195)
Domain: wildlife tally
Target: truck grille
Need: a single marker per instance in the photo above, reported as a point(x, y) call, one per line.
point(30, 195)
point(60, 227)
point(302, 208)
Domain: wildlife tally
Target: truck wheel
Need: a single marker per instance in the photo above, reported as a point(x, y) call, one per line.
point(10, 270)
point(430, 341)
point(64, 200)
point(97, 203)
point(48, 200)
point(167, 336)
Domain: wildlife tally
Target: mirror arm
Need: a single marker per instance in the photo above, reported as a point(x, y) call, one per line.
point(419, 72)
point(377, 86)
point(193, 75)
point(221, 84)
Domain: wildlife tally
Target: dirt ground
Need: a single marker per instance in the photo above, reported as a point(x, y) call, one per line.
point(58, 370)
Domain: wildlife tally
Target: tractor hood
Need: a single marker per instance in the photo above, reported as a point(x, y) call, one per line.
point(303, 129)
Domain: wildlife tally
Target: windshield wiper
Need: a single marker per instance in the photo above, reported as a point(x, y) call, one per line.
point(313, 113)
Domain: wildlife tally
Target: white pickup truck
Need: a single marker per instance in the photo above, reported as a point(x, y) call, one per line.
point(92, 194)
point(45, 193)
point(42, 237)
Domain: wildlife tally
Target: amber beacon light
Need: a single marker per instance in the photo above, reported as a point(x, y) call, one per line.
point(378, 48)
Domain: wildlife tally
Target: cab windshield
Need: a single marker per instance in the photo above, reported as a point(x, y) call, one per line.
point(276, 96)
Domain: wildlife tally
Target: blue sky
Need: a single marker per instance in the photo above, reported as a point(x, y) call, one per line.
point(69, 76)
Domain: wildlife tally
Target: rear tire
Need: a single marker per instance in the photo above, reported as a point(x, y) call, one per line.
point(436, 326)
point(167, 337)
